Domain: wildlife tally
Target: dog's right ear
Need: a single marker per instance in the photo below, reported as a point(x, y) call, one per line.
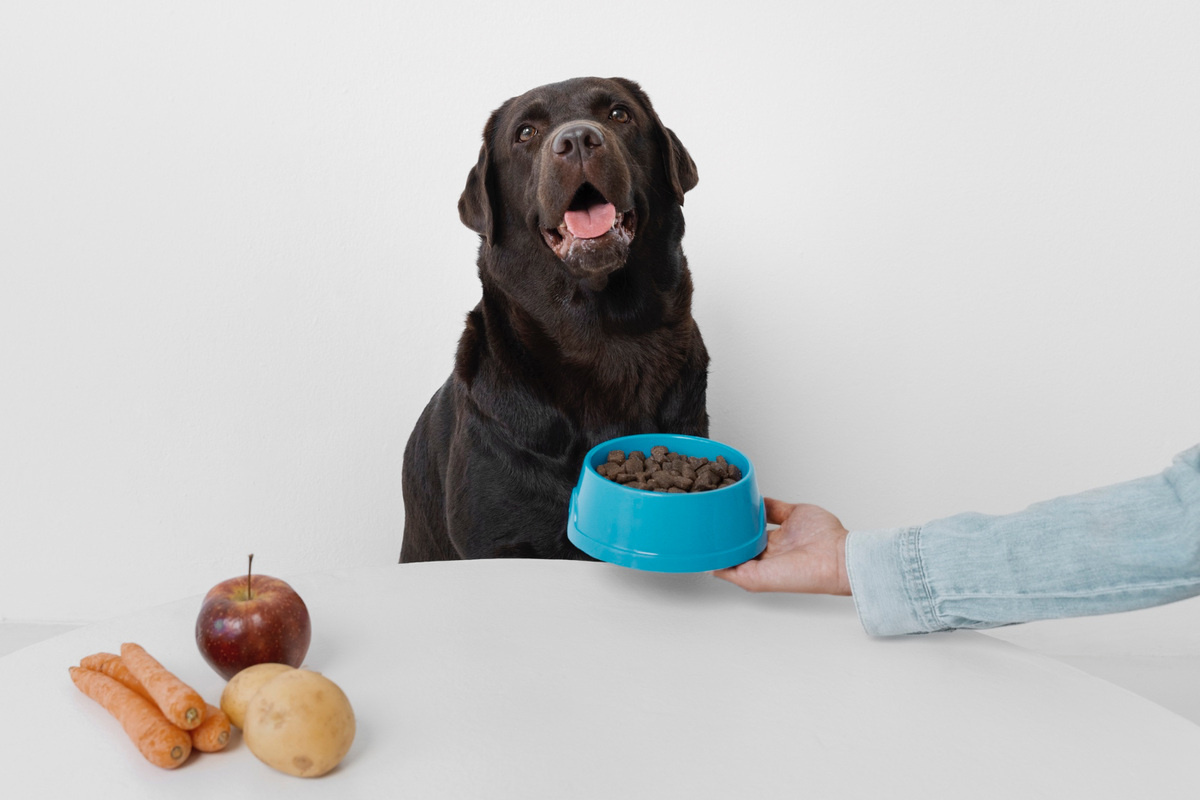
point(475, 204)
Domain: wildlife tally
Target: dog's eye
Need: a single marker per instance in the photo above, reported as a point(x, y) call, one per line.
point(620, 114)
point(526, 133)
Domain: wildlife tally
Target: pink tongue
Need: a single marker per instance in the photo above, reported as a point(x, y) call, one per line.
point(592, 222)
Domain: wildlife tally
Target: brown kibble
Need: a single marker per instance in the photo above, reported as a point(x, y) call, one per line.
point(666, 471)
point(669, 481)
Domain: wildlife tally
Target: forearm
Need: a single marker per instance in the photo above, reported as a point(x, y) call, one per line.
point(1127, 546)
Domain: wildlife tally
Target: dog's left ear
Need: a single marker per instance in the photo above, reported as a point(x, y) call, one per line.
point(475, 204)
point(681, 170)
point(680, 167)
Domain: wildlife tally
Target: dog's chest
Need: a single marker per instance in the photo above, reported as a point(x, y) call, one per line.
point(620, 381)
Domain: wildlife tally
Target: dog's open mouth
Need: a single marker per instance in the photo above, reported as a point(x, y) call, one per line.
point(590, 222)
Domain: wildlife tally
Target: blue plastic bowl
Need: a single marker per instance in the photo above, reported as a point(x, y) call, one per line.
point(657, 532)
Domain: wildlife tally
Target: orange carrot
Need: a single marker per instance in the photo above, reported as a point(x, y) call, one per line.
point(213, 733)
point(112, 666)
point(162, 743)
point(209, 737)
point(181, 704)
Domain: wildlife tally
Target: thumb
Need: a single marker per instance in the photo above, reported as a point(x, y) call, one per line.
point(777, 510)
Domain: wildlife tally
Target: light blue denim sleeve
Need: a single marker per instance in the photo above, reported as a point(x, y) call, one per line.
point(1127, 546)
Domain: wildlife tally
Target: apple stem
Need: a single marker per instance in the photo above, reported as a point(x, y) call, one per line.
point(249, 591)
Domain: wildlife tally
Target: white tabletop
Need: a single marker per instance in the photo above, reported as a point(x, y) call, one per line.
point(547, 679)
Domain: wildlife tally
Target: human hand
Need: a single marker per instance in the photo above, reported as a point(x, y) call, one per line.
point(806, 553)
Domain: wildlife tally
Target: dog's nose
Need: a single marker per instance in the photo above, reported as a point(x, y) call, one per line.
point(577, 139)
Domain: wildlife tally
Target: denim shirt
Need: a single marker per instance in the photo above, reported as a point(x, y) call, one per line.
point(1127, 546)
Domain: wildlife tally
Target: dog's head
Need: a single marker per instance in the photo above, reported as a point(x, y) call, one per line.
point(582, 174)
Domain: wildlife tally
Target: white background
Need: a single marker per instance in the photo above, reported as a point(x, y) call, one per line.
point(946, 256)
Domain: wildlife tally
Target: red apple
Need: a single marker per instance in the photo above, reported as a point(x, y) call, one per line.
point(252, 620)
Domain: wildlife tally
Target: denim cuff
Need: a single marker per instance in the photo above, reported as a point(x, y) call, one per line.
point(887, 581)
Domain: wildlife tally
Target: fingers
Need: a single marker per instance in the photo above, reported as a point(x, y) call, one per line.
point(744, 575)
point(749, 575)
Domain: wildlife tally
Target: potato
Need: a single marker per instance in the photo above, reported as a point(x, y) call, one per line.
point(300, 723)
point(242, 686)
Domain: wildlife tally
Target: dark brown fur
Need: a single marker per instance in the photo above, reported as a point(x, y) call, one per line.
point(561, 353)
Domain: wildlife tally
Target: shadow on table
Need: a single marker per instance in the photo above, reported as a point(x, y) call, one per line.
point(701, 588)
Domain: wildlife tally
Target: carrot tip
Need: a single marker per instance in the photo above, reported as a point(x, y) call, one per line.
point(176, 752)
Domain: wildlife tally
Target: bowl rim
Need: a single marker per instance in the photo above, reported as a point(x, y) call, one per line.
point(747, 472)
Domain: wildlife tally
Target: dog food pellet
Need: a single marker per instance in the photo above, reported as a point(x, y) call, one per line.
point(668, 472)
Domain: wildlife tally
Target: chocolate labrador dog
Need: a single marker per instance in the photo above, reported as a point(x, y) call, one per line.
point(584, 331)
